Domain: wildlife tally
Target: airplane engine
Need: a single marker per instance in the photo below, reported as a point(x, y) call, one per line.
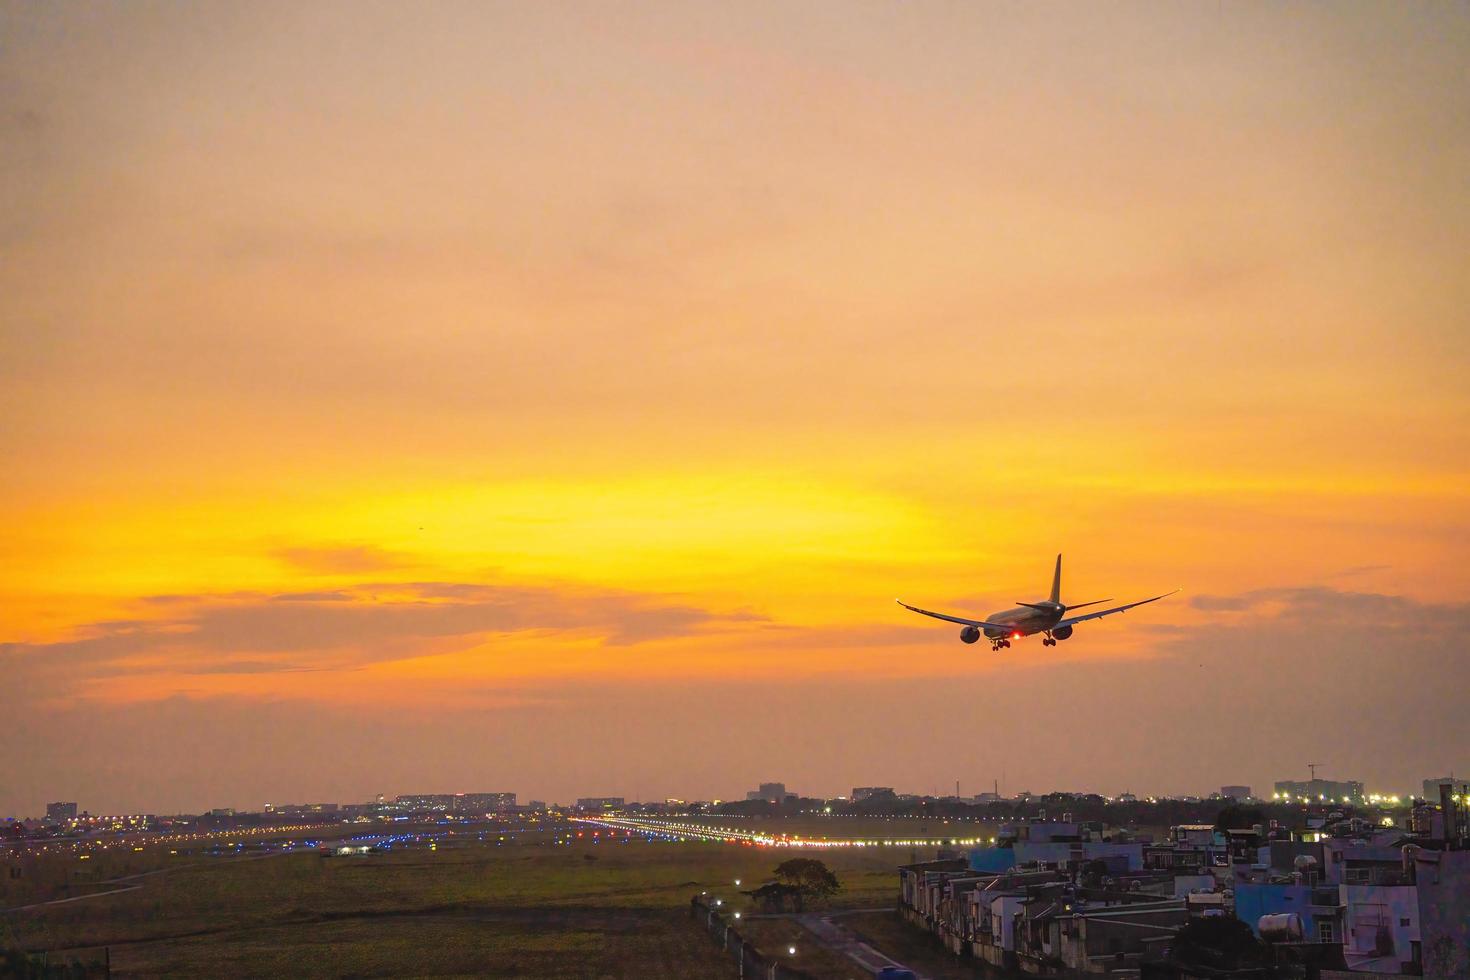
point(970, 634)
point(1062, 633)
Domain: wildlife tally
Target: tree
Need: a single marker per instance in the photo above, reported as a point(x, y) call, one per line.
point(1233, 816)
point(1093, 873)
point(809, 876)
point(773, 896)
point(1217, 941)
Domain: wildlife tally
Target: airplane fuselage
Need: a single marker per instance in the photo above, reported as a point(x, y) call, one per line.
point(1024, 620)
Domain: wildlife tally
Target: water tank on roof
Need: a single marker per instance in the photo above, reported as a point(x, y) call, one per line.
point(1281, 927)
point(1304, 862)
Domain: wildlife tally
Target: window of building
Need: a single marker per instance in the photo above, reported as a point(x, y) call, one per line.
point(1403, 922)
point(1324, 933)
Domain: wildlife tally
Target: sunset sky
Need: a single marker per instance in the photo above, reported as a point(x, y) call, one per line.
point(553, 398)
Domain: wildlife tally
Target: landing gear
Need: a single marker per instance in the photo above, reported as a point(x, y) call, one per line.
point(1049, 641)
point(997, 644)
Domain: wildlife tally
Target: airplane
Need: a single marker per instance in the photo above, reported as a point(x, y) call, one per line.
point(1048, 617)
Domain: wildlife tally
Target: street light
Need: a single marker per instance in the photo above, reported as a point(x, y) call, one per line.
point(791, 950)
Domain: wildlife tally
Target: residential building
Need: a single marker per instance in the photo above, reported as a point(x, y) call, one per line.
point(60, 812)
point(484, 802)
point(860, 793)
point(1443, 880)
point(1236, 792)
point(1458, 787)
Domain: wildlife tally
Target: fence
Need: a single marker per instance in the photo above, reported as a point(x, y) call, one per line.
point(751, 962)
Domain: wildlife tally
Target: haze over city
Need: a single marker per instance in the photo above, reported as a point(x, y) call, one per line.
point(554, 398)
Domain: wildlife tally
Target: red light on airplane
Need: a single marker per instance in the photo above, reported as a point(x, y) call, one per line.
point(1015, 636)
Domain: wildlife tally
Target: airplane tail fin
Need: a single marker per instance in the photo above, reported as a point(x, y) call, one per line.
point(1056, 582)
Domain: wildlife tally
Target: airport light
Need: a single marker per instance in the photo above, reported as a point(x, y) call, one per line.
point(791, 950)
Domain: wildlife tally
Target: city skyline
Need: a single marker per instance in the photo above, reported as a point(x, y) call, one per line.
point(1404, 789)
point(557, 397)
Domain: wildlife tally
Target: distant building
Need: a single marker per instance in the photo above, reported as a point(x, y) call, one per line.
point(599, 802)
point(470, 803)
point(770, 792)
point(863, 792)
point(484, 802)
point(1431, 787)
point(1320, 790)
point(1236, 792)
point(222, 811)
point(60, 812)
point(298, 810)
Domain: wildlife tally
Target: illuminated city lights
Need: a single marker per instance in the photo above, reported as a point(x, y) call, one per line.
point(679, 830)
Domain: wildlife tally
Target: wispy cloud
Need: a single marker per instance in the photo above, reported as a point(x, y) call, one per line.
point(346, 559)
point(252, 633)
point(1317, 603)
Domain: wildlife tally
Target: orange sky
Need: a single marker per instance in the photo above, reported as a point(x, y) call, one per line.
point(554, 398)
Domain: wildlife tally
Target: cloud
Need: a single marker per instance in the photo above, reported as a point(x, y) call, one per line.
point(337, 596)
point(1318, 604)
point(27, 122)
point(1362, 570)
point(342, 559)
point(252, 633)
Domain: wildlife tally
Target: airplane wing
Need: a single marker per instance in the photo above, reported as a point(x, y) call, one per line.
point(1074, 620)
point(956, 619)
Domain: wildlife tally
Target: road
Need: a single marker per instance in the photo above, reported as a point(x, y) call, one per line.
point(838, 938)
point(75, 898)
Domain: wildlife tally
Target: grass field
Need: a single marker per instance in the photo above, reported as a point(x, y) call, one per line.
point(595, 907)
